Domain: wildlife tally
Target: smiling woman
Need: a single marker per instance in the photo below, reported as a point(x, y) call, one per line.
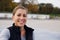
point(20, 16)
point(19, 29)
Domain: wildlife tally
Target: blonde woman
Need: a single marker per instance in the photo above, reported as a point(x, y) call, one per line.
point(19, 29)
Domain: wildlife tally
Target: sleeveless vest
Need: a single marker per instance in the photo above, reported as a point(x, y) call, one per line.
point(15, 33)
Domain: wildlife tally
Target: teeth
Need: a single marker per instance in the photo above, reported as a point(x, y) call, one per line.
point(21, 21)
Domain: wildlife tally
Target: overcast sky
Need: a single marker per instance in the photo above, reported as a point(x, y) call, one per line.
point(56, 3)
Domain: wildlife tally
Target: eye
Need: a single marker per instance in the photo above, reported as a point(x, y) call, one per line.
point(24, 15)
point(19, 15)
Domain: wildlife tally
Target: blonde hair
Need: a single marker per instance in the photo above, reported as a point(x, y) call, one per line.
point(19, 7)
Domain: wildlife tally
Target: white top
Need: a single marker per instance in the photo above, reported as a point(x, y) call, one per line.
point(37, 35)
point(22, 37)
point(5, 34)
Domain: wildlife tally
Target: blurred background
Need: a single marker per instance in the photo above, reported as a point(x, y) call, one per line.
point(43, 16)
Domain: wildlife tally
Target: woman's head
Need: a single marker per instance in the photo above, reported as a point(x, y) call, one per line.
point(20, 15)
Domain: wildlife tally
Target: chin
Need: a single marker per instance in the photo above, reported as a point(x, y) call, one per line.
point(21, 25)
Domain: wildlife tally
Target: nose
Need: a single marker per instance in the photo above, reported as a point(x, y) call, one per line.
point(21, 17)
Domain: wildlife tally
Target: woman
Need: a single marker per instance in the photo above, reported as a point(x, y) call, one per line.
point(19, 30)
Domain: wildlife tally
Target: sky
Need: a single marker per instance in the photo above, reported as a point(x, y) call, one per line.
point(56, 3)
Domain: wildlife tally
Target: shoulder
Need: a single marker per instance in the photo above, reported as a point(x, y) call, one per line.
point(10, 27)
point(5, 34)
point(5, 31)
point(29, 28)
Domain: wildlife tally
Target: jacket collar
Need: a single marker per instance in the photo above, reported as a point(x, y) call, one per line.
point(25, 27)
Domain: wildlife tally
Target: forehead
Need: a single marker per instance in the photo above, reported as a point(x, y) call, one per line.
point(22, 11)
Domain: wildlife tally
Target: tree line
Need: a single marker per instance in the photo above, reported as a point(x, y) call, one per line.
point(7, 5)
point(42, 8)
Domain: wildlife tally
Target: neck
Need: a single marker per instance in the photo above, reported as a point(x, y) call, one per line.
point(22, 28)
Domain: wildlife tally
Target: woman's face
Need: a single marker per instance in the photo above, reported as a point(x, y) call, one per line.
point(20, 17)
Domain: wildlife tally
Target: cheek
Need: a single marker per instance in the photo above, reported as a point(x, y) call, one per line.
point(25, 19)
point(15, 19)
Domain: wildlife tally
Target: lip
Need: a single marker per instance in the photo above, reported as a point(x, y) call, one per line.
point(21, 22)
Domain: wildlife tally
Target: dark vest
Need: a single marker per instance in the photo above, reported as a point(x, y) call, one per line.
point(15, 33)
